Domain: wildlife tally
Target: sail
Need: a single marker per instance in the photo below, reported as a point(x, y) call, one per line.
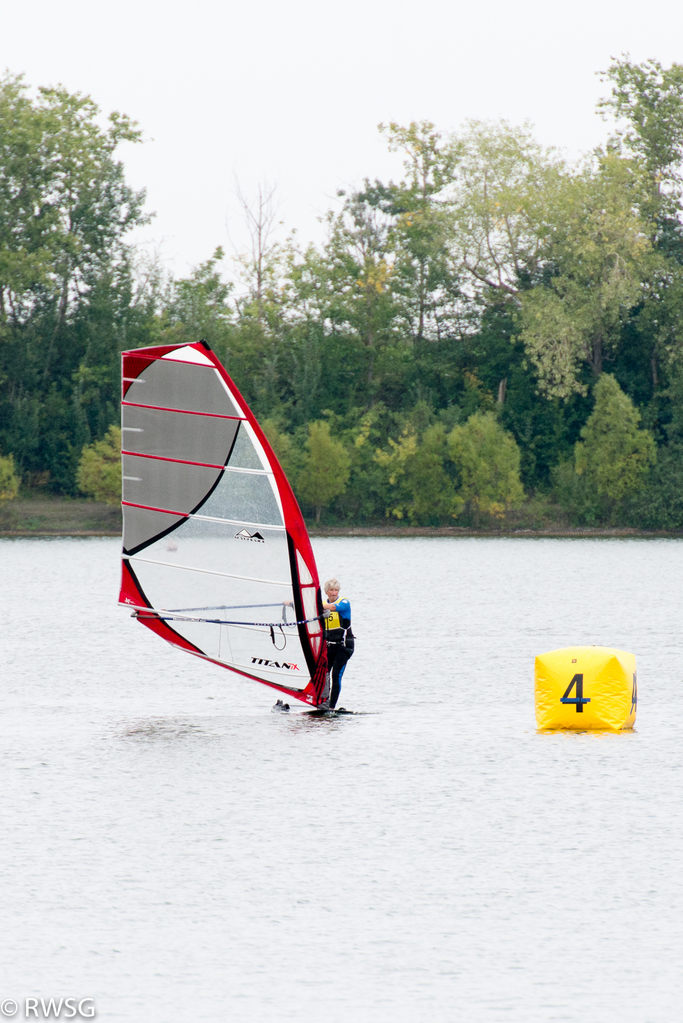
point(216, 557)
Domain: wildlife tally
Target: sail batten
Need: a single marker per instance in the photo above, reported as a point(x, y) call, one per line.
point(237, 522)
point(180, 411)
point(202, 518)
point(251, 472)
point(165, 458)
point(148, 507)
point(210, 522)
point(208, 571)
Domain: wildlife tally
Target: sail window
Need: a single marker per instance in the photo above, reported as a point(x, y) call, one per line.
point(244, 497)
point(215, 546)
point(244, 454)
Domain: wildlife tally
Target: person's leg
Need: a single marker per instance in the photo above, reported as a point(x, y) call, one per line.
point(332, 649)
point(338, 666)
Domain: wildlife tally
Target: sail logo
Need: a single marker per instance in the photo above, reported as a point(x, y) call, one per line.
point(274, 664)
point(244, 534)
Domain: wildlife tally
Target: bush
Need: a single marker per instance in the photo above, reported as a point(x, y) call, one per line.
point(325, 469)
point(421, 488)
point(611, 462)
point(366, 497)
point(573, 495)
point(659, 505)
point(9, 479)
point(287, 454)
point(487, 460)
point(99, 470)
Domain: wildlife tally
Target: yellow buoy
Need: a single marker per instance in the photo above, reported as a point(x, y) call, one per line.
point(585, 687)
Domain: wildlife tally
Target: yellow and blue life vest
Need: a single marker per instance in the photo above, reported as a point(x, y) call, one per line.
point(338, 622)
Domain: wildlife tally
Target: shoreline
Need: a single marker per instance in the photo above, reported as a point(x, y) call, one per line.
point(578, 532)
point(404, 532)
point(36, 515)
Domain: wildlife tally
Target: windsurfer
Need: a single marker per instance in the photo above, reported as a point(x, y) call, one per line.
point(340, 639)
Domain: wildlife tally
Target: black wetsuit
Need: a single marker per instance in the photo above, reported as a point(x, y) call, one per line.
point(340, 645)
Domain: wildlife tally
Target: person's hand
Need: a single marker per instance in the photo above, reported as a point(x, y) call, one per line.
point(326, 614)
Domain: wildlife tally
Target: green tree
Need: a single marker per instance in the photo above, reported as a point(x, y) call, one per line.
point(99, 469)
point(597, 256)
point(613, 457)
point(9, 480)
point(659, 504)
point(197, 308)
point(424, 281)
point(361, 297)
point(64, 204)
point(325, 470)
point(286, 451)
point(503, 206)
point(422, 490)
point(367, 494)
point(487, 461)
point(647, 102)
point(65, 211)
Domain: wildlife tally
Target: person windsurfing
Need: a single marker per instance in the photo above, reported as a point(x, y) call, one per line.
point(340, 639)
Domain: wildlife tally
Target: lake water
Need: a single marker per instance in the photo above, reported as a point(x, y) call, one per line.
point(176, 852)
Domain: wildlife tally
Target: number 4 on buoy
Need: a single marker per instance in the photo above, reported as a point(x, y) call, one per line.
point(579, 699)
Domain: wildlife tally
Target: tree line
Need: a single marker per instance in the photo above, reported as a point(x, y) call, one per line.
point(497, 325)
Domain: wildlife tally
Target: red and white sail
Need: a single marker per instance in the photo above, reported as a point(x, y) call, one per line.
point(216, 557)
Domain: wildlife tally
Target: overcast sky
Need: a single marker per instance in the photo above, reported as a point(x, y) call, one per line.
point(292, 93)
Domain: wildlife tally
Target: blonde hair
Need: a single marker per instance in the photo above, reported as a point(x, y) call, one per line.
point(331, 584)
